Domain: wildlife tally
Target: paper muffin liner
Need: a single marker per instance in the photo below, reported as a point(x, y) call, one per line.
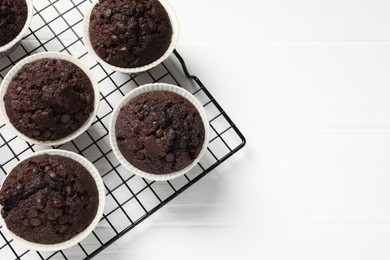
point(49, 55)
point(150, 88)
point(79, 237)
point(12, 45)
point(175, 37)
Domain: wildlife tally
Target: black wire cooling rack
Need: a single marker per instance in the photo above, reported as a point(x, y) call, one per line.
point(57, 26)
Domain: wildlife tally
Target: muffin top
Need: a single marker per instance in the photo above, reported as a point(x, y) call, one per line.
point(13, 16)
point(49, 99)
point(159, 132)
point(130, 33)
point(48, 199)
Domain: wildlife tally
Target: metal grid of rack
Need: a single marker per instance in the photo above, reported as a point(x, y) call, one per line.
point(57, 26)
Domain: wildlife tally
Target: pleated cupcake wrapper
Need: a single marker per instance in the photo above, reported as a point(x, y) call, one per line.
point(12, 45)
point(149, 88)
point(49, 55)
point(78, 238)
point(175, 37)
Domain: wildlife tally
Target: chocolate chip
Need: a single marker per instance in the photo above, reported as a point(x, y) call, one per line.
point(4, 10)
point(19, 89)
point(26, 119)
point(146, 131)
point(183, 145)
point(19, 187)
point(52, 174)
point(120, 28)
point(152, 26)
point(40, 203)
point(140, 116)
point(107, 13)
point(145, 28)
point(33, 213)
point(136, 128)
point(190, 118)
point(138, 144)
point(159, 133)
point(65, 118)
point(85, 200)
point(156, 125)
point(3, 213)
point(168, 141)
point(114, 39)
point(129, 57)
point(195, 141)
point(58, 213)
point(36, 222)
point(197, 130)
point(170, 157)
point(26, 222)
point(140, 155)
point(123, 50)
point(170, 137)
point(11, 19)
point(171, 133)
point(132, 42)
point(80, 188)
point(70, 190)
point(63, 219)
point(145, 107)
point(58, 203)
point(50, 216)
point(139, 9)
point(36, 132)
point(63, 229)
point(102, 52)
point(79, 117)
point(47, 134)
point(153, 12)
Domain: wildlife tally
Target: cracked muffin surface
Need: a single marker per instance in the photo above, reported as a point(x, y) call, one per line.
point(159, 132)
point(48, 199)
point(49, 99)
point(130, 33)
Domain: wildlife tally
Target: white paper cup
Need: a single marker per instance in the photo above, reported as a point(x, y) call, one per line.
point(49, 55)
point(149, 88)
point(12, 45)
point(79, 237)
point(175, 37)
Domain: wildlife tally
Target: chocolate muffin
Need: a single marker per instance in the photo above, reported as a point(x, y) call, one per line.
point(159, 132)
point(49, 99)
point(130, 33)
point(13, 16)
point(48, 199)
